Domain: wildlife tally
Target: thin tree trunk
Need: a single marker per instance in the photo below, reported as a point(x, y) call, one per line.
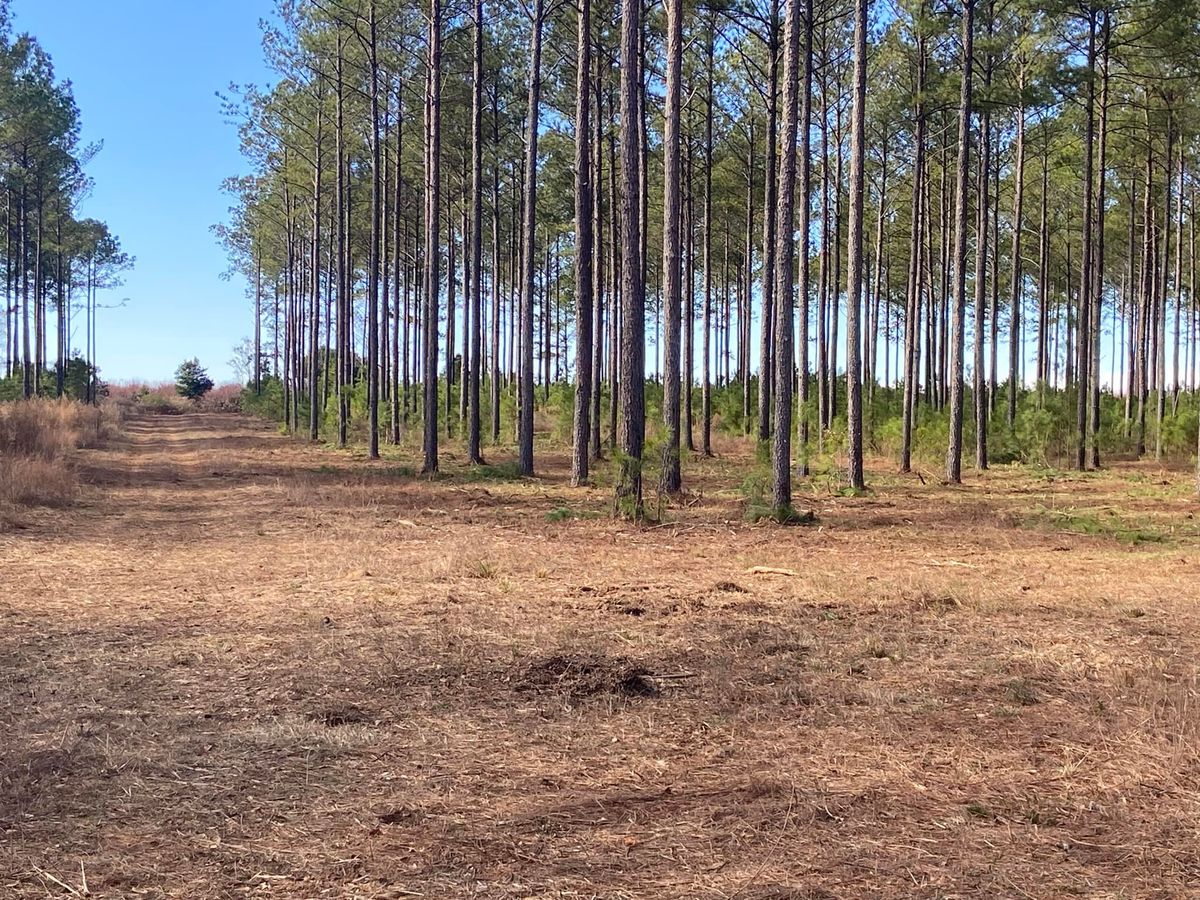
point(689, 299)
point(632, 430)
point(954, 451)
point(770, 210)
point(875, 304)
point(376, 248)
point(982, 233)
point(314, 410)
point(1099, 255)
point(706, 345)
point(583, 250)
point(824, 262)
point(399, 277)
point(1015, 286)
point(433, 143)
point(785, 298)
point(858, 129)
point(912, 299)
point(672, 256)
point(615, 307)
point(525, 386)
point(475, 302)
point(747, 287)
point(496, 314)
point(805, 160)
point(1043, 365)
point(598, 273)
point(1083, 338)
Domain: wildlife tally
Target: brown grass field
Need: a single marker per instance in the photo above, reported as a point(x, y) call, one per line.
point(242, 666)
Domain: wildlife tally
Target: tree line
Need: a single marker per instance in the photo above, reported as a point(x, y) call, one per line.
point(55, 262)
point(831, 210)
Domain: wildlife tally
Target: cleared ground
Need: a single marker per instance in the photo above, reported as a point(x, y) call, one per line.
point(242, 666)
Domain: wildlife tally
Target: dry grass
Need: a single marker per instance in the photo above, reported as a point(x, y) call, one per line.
point(254, 667)
point(223, 398)
point(131, 390)
point(37, 439)
point(33, 481)
point(161, 398)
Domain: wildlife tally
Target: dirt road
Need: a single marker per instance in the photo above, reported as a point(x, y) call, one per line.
point(243, 666)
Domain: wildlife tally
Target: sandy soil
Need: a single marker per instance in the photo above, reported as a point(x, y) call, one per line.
point(244, 666)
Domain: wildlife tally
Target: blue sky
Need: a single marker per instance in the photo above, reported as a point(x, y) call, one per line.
point(145, 75)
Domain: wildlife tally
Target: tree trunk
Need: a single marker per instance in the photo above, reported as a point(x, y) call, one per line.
point(583, 250)
point(1098, 278)
point(314, 410)
point(824, 260)
point(770, 205)
point(785, 298)
point(632, 429)
point(912, 300)
point(1043, 364)
point(475, 291)
point(805, 160)
point(598, 270)
point(525, 386)
point(982, 233)
point(343, 302)
point(433, 175)
point(1018, 277)
point(747, 286)
point(1083, 339)
point(954, 451)
point(615, 310)
point(496, 315)
point(689, 300)
point(376, 248)
point(858, 129)
point(706, 342)
point(875, 301)
point(672, 251)
point(399, 276)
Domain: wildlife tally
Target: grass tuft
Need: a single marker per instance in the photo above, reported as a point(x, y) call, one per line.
point(37, 438)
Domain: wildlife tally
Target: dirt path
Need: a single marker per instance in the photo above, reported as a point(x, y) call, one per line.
point(247, 667)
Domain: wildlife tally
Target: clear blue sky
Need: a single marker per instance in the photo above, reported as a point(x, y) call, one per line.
point(145, 75)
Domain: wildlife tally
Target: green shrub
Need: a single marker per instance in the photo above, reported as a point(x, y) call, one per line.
point(191, 380)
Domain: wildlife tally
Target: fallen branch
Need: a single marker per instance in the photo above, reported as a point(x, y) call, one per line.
point(74, 892)
point(770, 570)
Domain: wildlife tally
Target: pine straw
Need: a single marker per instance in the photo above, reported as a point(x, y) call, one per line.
point(235, 673)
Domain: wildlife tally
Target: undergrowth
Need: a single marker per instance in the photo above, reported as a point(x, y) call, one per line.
point(37, 438)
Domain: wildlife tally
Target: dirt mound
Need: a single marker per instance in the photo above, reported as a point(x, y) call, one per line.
point(586, 675)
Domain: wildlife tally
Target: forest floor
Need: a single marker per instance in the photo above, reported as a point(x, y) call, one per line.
point(247, 666)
